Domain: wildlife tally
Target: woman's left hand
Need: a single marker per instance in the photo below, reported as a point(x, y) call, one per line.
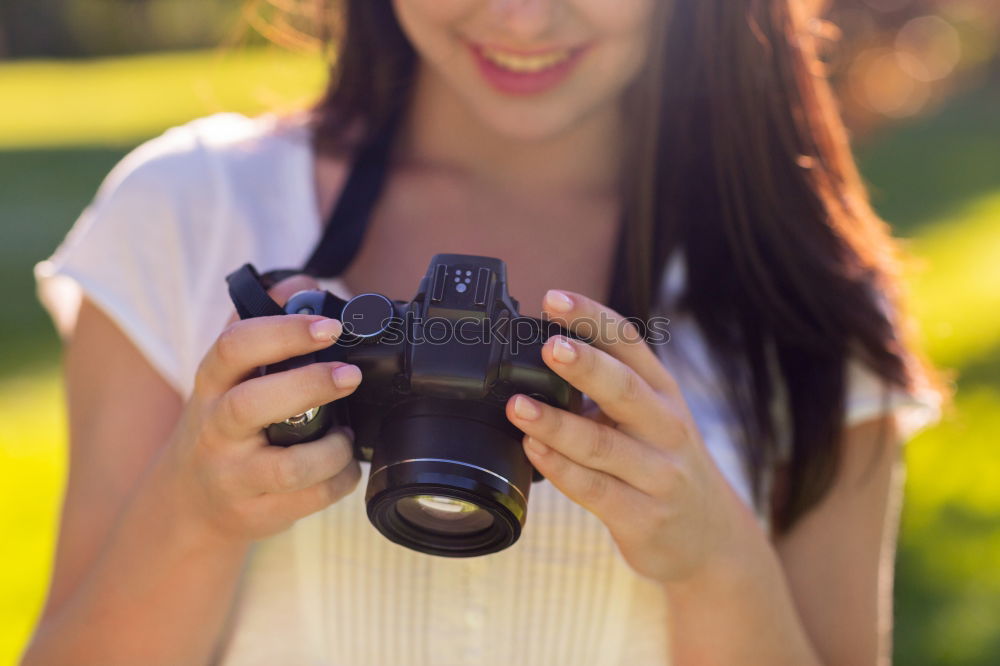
point(642, 468)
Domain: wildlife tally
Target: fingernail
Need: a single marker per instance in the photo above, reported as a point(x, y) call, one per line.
point(563, 351)
point(558, 301)
point(325, 330)
point(535, 446)
point(526, 408)
point(346, 376)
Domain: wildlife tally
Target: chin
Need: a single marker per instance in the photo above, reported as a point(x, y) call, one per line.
point(530, 123)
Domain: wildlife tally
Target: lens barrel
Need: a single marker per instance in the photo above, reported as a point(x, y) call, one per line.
point(449, 478)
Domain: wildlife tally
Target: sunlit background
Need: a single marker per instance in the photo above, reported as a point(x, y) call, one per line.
point(83, 81)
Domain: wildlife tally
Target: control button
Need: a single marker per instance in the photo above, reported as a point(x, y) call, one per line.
point(460, 288)
point(303, 418)
point(482, 282)
point(367, 315)
point(440, 273)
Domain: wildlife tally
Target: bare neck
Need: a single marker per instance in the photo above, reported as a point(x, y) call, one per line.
point(443, 133)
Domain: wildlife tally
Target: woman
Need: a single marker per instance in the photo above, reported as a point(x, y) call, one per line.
point(733, 500)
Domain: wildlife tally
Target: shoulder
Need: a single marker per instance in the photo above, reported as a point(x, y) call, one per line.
point(199, 156)
point(216, 190)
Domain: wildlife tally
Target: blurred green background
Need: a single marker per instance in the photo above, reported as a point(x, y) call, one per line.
point(920, 86)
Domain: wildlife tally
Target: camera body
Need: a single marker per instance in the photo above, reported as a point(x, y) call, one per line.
point(429, 414)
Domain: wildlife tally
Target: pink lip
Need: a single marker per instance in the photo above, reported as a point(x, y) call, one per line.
point(526, 83)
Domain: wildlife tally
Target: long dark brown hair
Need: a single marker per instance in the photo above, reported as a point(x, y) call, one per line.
point(738, 160)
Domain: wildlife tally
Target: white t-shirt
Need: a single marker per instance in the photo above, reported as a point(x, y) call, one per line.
point(183, 210)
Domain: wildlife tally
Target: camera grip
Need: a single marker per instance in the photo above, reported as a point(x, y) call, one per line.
point(314, 423)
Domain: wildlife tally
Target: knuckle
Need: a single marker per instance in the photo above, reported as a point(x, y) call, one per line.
point(343, 451)
point(630, 387)
point(228, 345)
point(655, 519)
point(602, 443)
point(201, 381)
point(595, 488)
point(235, 409)
point(664, 478)
point(285, 471)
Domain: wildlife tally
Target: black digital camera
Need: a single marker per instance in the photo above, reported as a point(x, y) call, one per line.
point(448, 474)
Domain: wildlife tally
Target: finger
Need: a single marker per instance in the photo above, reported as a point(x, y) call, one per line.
point(614, 386)
point(276, 469)
point(248, 344)
point(592, 445)
point(597, 415)
point(301, 503)
point(611, 333)
point(609, 498)
point(284, 290)
point(245, 409)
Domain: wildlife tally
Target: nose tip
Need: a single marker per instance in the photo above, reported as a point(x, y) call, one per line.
point(526, 19)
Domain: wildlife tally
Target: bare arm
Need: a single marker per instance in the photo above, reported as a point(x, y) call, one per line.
point(840, 558)
point(164, 498)
point(822, 594)
point(121, 414)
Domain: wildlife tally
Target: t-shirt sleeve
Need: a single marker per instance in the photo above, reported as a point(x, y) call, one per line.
point(128, 252)
point(869, 397)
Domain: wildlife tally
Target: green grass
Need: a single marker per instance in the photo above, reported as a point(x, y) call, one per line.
point(936, 179)
point(961, 267)
point(120, 101)
point(32, 467)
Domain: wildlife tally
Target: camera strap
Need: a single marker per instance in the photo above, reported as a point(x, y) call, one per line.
point(345, 229)
point(249, 294)
point(342, 234)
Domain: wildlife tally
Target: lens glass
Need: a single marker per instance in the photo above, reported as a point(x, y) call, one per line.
point(444, 515)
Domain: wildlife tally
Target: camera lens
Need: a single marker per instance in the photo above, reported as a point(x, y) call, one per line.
point(449, 477)
point(444, 515)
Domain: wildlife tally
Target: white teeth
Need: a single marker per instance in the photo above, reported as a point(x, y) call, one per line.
point(526, 64)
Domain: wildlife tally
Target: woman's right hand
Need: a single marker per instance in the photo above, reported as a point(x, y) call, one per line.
point(232, 481)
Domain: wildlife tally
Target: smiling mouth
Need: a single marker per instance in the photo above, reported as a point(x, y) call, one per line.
point(526, 64)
